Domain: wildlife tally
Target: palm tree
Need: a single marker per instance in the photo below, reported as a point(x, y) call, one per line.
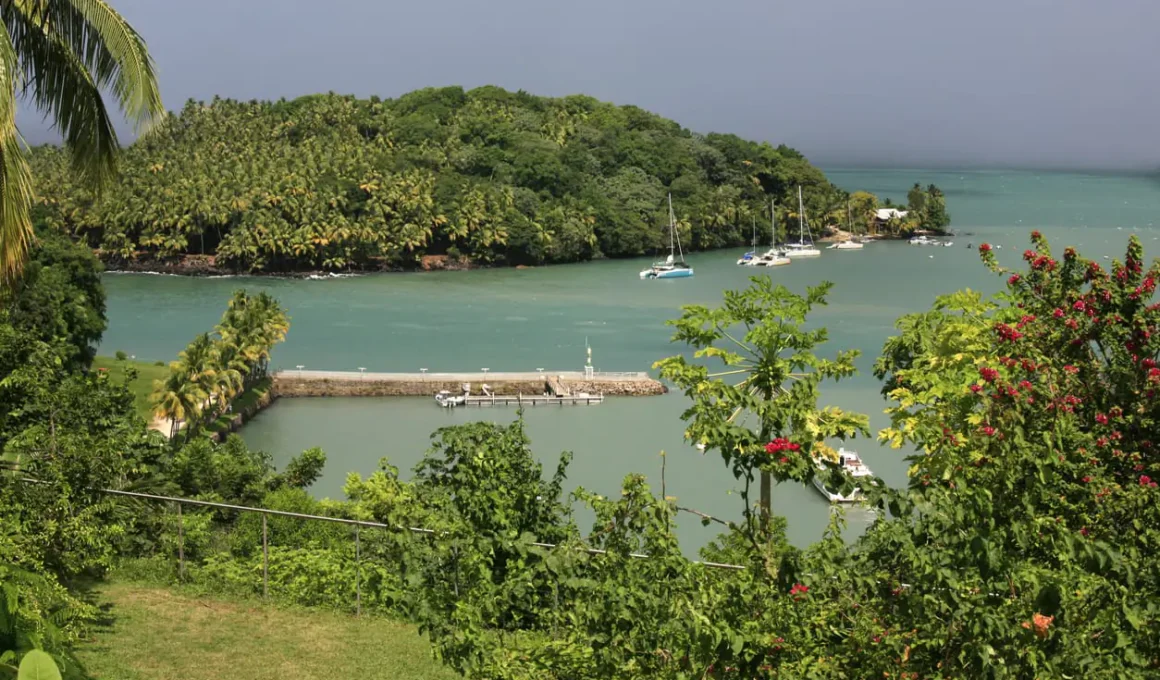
point(62, 53)
point(177, 398)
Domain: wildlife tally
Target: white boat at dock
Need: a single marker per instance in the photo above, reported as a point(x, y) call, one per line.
point(852, 465)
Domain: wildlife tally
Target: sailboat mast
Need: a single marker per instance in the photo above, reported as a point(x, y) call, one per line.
point(672, 225)
point(772, 225)
point(801, 218)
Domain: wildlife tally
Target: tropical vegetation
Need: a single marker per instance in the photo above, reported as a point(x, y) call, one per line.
point(1024, 544)
point(484, 176)
point(215, 368)
point(60, 55)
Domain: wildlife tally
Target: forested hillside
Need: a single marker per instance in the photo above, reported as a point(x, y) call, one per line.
point(485, 176)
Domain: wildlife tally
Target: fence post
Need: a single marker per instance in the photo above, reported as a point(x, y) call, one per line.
point(180, 544)
point(265, 561)
point(357, 573)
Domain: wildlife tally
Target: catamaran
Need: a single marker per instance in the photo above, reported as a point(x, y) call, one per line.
point(852, 465)
point(854, 243)
point(674, 266)
point(805, 245)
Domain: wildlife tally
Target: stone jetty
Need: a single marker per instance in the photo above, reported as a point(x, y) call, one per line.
point(302, 383)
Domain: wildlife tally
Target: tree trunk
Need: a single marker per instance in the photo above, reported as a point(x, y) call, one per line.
point(766, 500)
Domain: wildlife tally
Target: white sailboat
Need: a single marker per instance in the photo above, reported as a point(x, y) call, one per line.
point(804, 247)
point(774, 257)
point(674, 266)
point(748, 258)
point(854, 243)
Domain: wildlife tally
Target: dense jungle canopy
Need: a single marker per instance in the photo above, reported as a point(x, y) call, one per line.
point(484, 176)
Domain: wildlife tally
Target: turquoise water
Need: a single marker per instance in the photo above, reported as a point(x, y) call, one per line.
point(542, 317)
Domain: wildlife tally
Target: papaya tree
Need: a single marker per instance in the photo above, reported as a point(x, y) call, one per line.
point(754, 382)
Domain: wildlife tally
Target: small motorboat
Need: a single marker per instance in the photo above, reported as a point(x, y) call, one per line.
point(852, 465)
point(448, 400)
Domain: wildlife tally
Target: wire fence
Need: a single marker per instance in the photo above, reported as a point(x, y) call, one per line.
point(358, 526)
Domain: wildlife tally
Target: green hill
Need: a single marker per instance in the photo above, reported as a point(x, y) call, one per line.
point(485, 176)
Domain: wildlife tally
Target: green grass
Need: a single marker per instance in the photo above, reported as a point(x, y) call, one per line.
point(142, 385)
point(159, 633)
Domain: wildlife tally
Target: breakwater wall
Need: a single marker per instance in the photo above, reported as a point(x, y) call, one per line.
point(301, 383)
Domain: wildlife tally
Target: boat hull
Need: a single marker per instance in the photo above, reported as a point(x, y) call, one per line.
point(804, 252)
point(855, 496)
point(776, 262)
point(848, 246)
point(673, 274)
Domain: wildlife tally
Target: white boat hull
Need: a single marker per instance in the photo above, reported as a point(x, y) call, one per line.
point(855, 496)
point(803, 252)
point(847, 245)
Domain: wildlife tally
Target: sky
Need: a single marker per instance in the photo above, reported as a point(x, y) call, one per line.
point(867, 83)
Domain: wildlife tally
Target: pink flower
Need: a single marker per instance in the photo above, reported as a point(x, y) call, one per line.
point(1145, 480)
point(1079, 304)
point(1025, 384)
point(783, 460)
point(987, 430)
point(1057, 313)
point(798, 589)
point(1101, 419)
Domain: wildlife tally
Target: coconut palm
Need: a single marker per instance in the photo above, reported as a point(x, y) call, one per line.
point(177, 398)
point(62, 53)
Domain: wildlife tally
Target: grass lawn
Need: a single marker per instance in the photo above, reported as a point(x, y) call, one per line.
point(142, 385)
point(157, 633)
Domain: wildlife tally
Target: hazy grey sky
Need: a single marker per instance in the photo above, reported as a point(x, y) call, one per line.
point(1012, 82)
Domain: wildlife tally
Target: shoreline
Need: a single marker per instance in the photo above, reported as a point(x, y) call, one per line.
point(204, 266)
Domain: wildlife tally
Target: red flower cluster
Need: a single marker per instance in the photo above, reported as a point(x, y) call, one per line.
point(976, 388)
point(1101, 419)
point(1043, 262)
point(1013, 280)
point(989, 374)
point(798, 589)
point(1145, 480)
point(985, 248)
point(1058, 313)
point(1029, 255)
point(1154, 375)
point(1070, 369)
point(781, 444)
point(1079, 304)
point(987, 430)
point(1007, 333)
point(1025, 384)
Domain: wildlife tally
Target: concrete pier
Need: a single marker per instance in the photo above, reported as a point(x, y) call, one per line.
point(303, 383)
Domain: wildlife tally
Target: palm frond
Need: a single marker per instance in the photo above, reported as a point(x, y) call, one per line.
point(15, 178)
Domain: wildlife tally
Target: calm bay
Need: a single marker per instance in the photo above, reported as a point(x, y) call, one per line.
point(507, 319)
